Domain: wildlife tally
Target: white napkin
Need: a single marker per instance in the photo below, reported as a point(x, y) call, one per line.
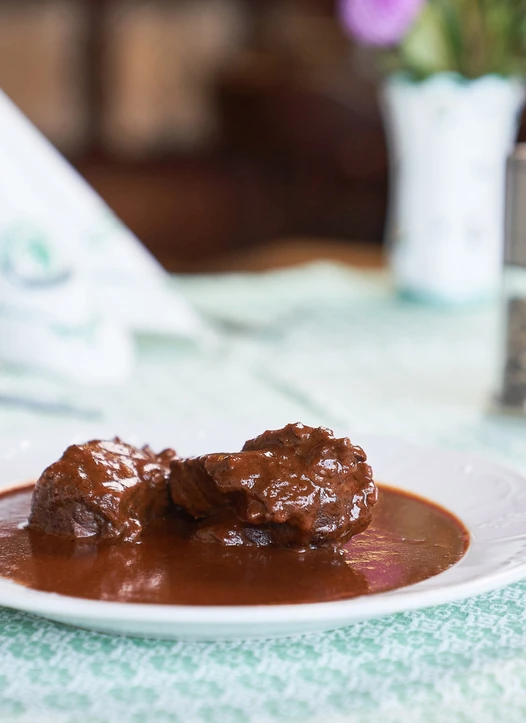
point(75, 283)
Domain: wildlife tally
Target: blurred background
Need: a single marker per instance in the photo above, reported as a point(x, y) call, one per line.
point(228, 134)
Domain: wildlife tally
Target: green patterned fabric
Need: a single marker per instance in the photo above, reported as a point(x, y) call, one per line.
point(322, 345)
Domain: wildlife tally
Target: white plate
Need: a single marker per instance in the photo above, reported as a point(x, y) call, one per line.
point(490, 500)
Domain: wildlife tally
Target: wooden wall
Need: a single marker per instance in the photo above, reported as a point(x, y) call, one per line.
point(208, 125)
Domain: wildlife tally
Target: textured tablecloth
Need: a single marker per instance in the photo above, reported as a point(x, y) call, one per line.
point(322, 345)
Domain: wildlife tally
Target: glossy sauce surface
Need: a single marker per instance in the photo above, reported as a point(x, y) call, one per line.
point(409, 540)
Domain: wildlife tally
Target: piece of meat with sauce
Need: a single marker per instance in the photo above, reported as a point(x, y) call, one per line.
point(297, 486)
point(104, 488)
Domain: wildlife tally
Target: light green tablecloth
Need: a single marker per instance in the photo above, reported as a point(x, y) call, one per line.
point(327, 346)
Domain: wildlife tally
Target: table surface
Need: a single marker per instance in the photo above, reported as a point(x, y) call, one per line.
point(328, 345)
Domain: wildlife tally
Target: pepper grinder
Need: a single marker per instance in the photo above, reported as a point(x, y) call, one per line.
point(512, 394)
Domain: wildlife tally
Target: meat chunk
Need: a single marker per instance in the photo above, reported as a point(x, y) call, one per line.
point(297, 486)
point(104, 488)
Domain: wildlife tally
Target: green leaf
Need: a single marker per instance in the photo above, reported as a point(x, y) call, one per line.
point(470, 37)
point(425, 50)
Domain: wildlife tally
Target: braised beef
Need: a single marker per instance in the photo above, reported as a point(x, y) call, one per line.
point(104, 488)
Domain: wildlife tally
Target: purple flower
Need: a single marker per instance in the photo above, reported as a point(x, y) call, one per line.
point(379, 22)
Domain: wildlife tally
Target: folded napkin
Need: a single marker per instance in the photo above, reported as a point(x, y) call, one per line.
point(75, 283)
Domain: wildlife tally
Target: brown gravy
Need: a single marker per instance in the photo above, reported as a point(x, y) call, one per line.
point(409, 540)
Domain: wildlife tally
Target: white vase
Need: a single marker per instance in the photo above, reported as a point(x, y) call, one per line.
point(448, 139)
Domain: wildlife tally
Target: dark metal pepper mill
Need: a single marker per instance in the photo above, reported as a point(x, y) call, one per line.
point(512, 396)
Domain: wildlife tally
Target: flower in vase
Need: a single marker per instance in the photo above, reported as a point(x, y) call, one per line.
point(379, 22)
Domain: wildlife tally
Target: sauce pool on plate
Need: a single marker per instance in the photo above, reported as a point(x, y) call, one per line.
point(409, 540)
